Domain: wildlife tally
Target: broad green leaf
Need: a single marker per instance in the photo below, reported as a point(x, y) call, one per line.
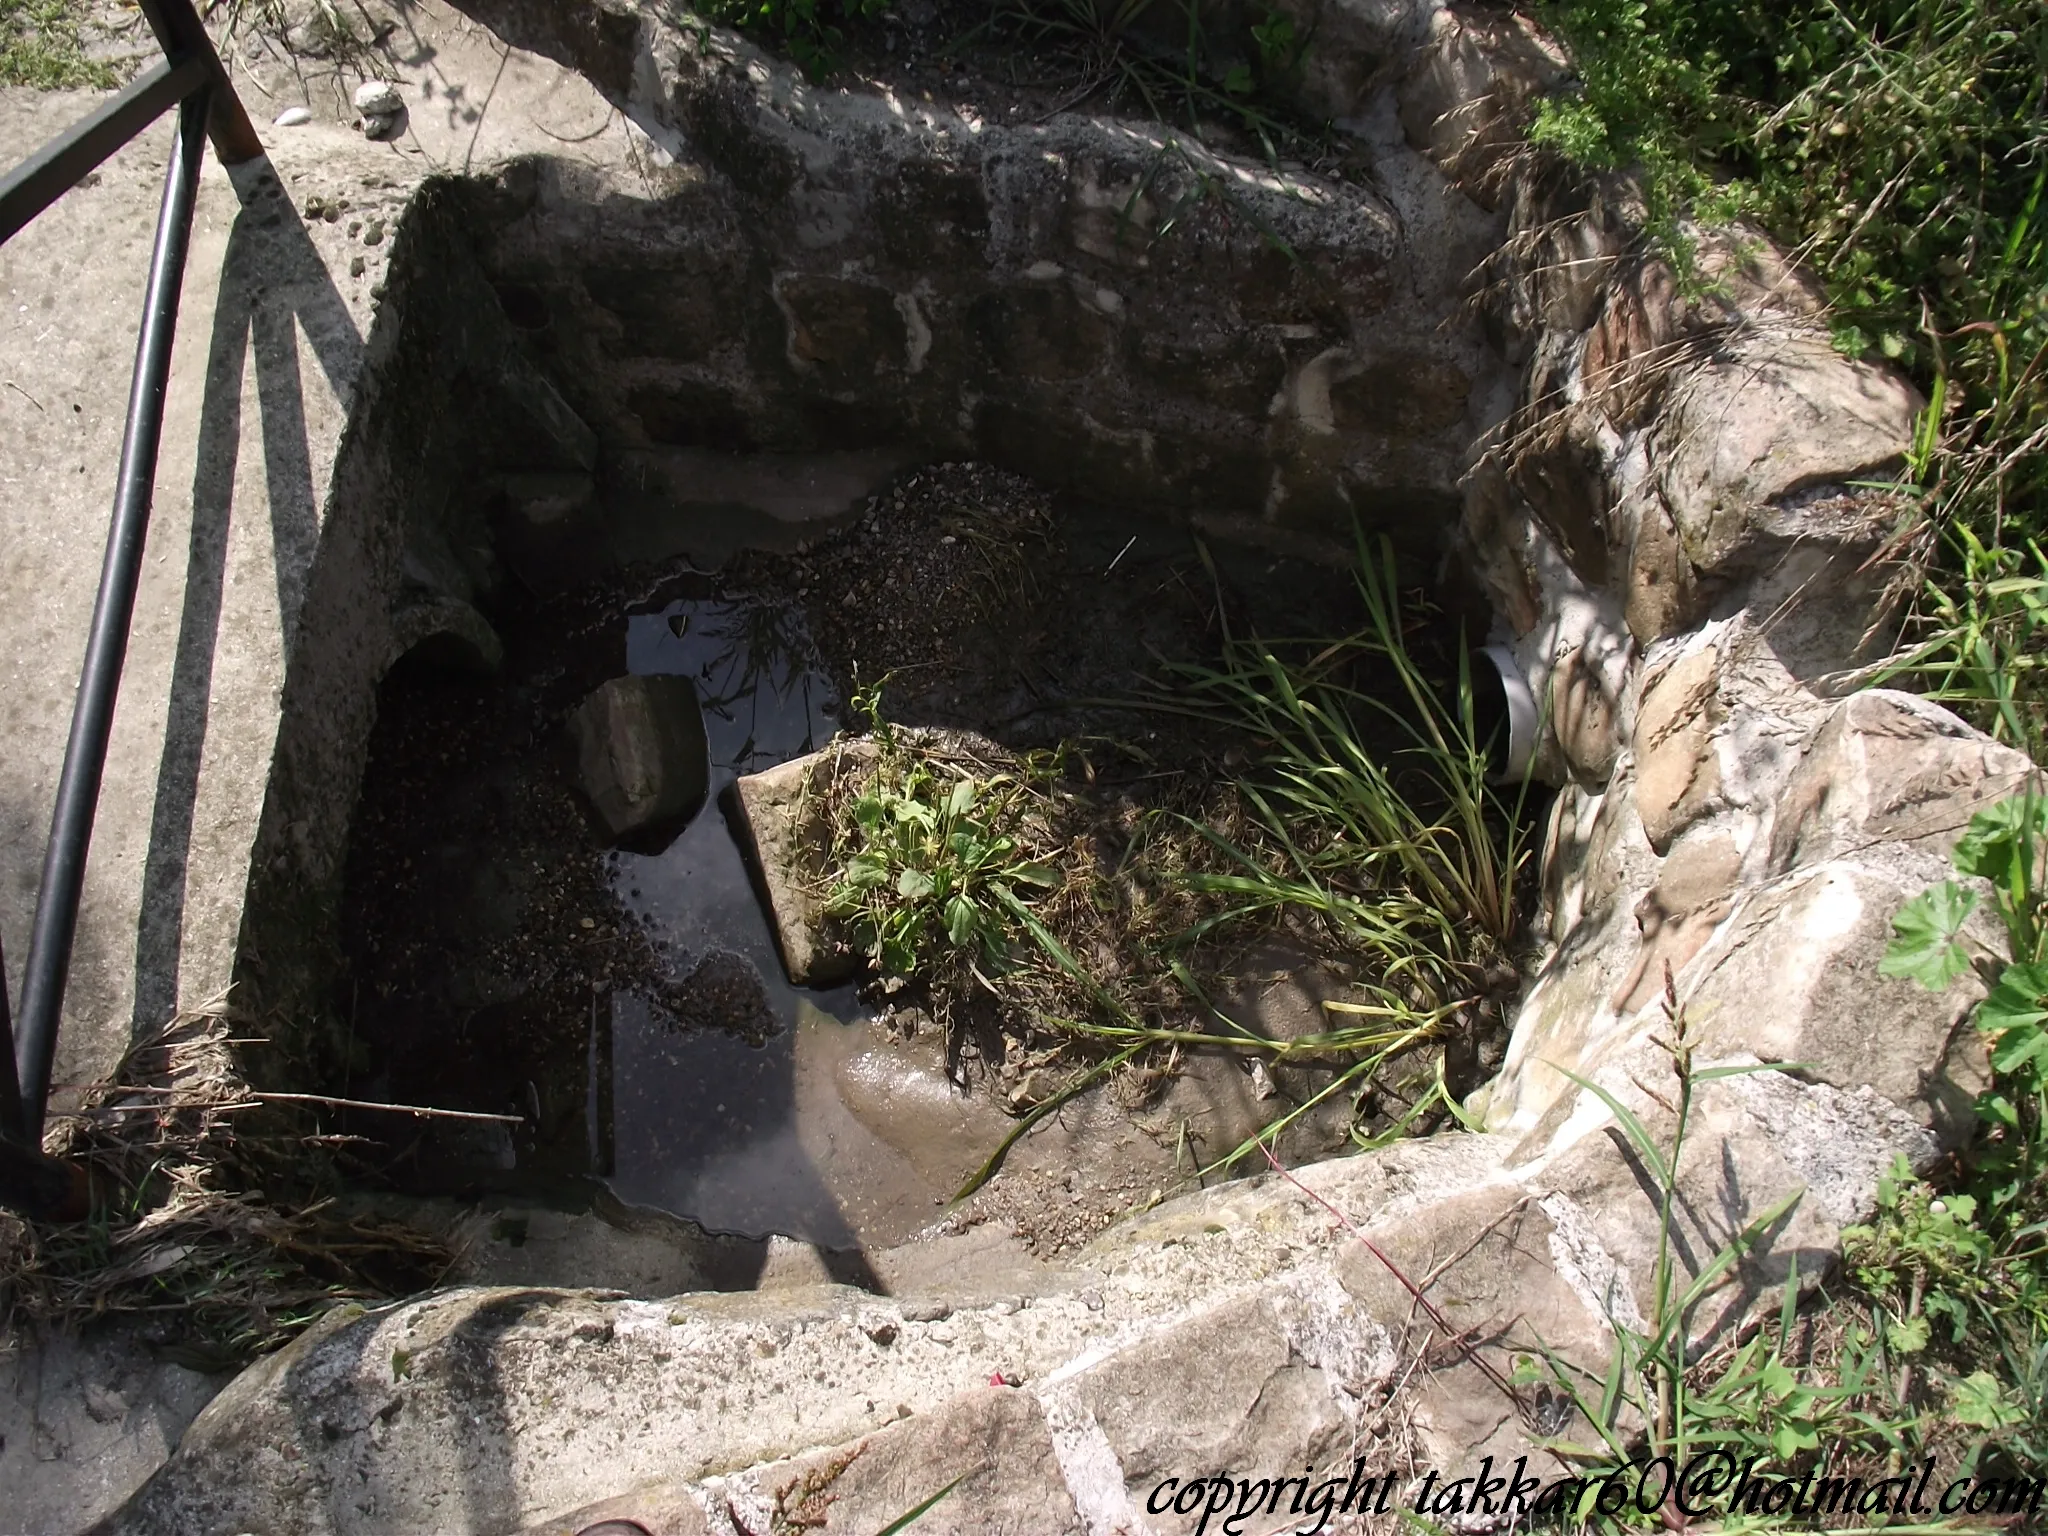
point(1790, 1437)
point(2013, 1013)
point(1980, 1401)
point(1924, 933)
point(864, 871)
point(1034, 874)
point(1776, 1378)
point(2021, 1049)
point(961, 918)
point(914, 885)
point(867, 813)
point(1992, 845)
point(961, 800)
point(1907, 1335)
point(913, 813)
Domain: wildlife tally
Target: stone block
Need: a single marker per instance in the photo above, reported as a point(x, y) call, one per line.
point(642, 756)
point(1777, 414)
point(1260, 1404)
point(992, 1446)
point(841, 331)
point(1889, 767)
point(1794, 977)
point(1677, 774)
point(782, 825)
point(1041, 331)
point(1662, 596)
point(1463, 98)
point(1402, 394)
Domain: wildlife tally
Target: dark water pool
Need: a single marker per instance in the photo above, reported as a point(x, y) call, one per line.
point(630, 1009)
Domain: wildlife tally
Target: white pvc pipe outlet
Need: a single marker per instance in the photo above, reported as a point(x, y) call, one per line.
point(1524, 718)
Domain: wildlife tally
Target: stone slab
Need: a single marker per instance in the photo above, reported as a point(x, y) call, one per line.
point(781, 815)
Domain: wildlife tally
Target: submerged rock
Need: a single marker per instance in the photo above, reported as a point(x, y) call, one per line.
point(641, 755)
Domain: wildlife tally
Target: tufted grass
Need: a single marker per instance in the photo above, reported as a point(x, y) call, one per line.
point(1094, 931)
point(42, 44)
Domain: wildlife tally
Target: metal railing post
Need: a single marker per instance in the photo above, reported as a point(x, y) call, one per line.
point(92, 718)
point(181, 34)
point(41, 1187)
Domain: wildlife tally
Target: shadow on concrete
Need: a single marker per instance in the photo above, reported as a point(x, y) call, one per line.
point(273, 285)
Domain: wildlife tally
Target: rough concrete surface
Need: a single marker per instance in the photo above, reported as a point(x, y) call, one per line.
point(82, 1424)
point(276, 316)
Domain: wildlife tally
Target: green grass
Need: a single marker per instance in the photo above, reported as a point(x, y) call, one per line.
point(1899, 149)
point(42, 44)
point(1360, 826)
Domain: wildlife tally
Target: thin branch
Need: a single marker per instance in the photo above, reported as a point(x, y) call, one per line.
point(401, 1109)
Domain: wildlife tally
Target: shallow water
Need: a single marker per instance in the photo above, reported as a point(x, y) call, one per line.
point(703, 1122)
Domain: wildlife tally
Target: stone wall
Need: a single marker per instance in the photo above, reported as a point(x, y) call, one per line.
point(1684, 527)
point(1104, 305)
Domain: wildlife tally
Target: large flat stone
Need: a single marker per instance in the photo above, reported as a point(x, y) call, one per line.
point(785, 827)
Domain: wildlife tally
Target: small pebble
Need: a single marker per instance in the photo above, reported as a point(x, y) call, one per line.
point(355, 266)
point(927, 1312)
point(883, 1333)
point(293, 117)
point(1092, 1299)
point(374, 235)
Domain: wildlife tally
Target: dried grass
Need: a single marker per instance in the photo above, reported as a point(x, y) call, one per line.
point(209, 1212)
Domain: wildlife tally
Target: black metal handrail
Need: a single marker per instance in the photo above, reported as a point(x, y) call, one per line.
point(191, 78)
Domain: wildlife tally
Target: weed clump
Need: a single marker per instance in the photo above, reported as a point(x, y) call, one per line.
point(1037, 907)
point(203, 1217)
point(43, 45)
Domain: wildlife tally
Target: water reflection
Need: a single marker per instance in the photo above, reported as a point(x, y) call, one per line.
point(703, 1118)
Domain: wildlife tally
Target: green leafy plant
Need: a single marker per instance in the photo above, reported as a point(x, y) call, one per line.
point(2003, 846)
point(1367, 817)
point(928, 863)
point(1972, 1263)
point(811, 32)
point(1925, 1247)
